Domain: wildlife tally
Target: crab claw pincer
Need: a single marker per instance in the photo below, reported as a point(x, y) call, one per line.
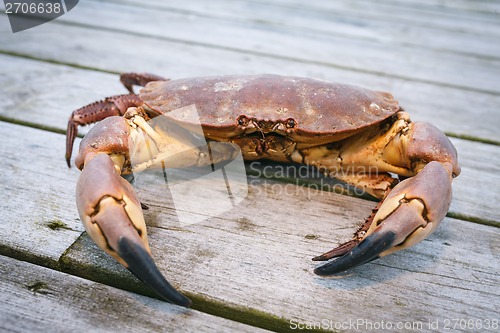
point(409, 213)
point(112, 216)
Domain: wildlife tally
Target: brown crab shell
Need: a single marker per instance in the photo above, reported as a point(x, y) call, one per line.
point(322, 111)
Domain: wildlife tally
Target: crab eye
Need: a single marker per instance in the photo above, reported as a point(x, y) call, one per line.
point(242, 120)
point(290, 123)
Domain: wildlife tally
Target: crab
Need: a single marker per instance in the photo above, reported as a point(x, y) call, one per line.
point(359, 136)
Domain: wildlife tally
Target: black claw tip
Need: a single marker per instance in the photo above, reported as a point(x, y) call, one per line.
point(368, 250)
point(142, 265)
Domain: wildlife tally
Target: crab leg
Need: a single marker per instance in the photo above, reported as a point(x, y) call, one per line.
point(138, 79)
point(92, 113)
point(111, 106)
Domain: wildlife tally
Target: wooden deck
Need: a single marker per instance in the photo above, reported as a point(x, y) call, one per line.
point(250, 267)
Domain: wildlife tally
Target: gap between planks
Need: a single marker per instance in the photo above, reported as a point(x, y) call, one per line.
point(37, 299)
point(258, 259)
point(457, 112)
point(342, 21)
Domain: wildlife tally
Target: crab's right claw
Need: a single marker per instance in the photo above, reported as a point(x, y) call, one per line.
point(411, 212)
point(111, 214)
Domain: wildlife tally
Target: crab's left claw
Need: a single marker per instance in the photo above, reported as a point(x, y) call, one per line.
point(111, 214)
point(409, 213)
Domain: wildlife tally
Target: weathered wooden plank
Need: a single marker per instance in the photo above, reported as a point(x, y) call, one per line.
point(463, 6)
point(305, 20)
point(256, 256)
point(454, 106)
point(43, 104)
point(46, 94)
point(476, 190)
point(467, 22)
point(39, 220)
point(343, 52)
point(469, 188)
point(37, 299)
point(450, 109)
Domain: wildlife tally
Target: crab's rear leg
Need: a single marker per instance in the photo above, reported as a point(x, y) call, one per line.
point(111, 106)
point(129, 80)
point(97, 111)
point(414, 207)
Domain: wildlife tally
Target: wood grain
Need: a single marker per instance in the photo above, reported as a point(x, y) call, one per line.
point(37, 299)
point(453, 110)
point(39, 220)
point(253, 259)
point(256, 257)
